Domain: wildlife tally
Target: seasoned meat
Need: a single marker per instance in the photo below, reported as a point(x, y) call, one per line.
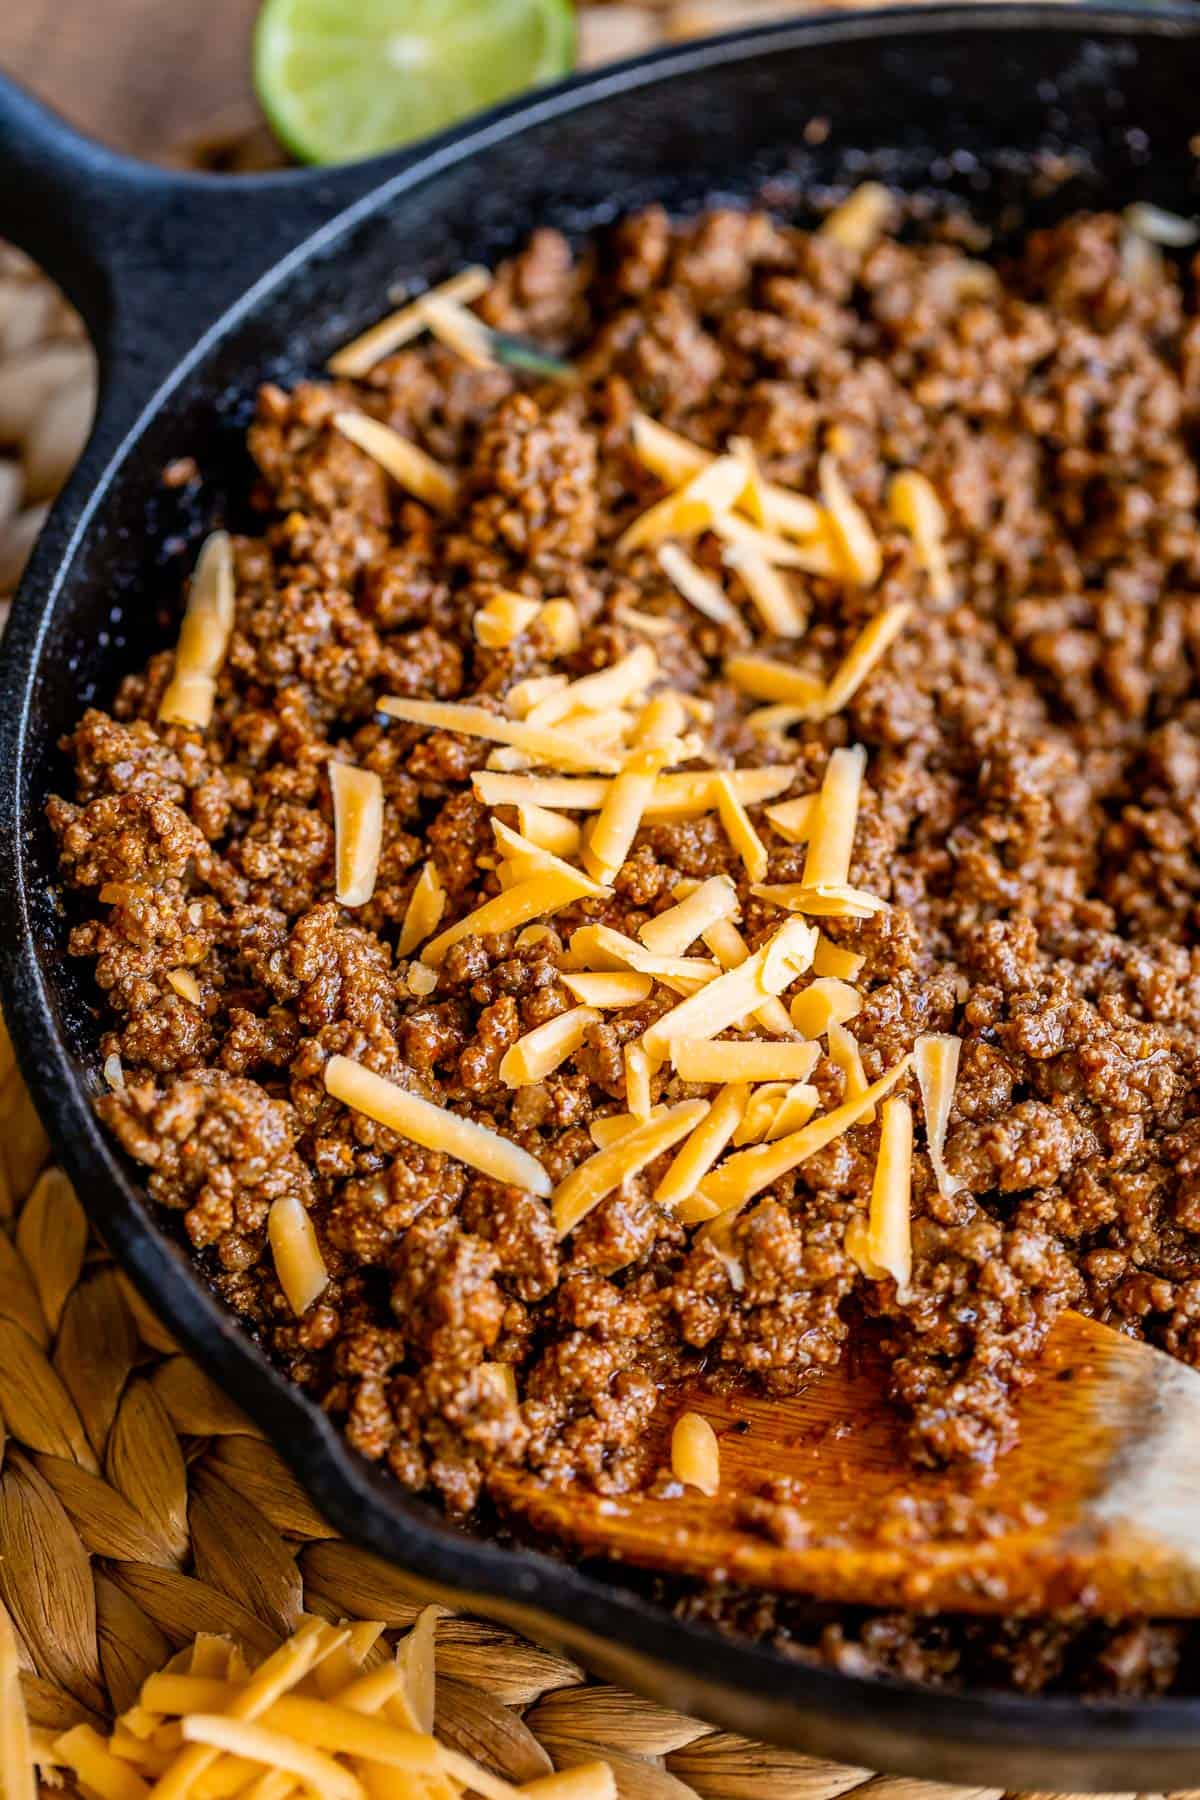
point(1030, 816)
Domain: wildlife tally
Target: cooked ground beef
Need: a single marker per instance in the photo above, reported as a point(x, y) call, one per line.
point(1031, 815)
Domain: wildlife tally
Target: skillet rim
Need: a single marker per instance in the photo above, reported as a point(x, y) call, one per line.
point(896, 1725)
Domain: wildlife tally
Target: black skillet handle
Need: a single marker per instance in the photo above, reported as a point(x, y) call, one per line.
point(150, 257)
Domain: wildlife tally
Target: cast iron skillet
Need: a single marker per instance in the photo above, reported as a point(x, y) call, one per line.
point(951, 98)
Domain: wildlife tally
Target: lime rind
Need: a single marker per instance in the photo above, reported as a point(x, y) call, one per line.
point(342, 79)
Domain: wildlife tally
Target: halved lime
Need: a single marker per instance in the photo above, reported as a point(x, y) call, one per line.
point(340, 79)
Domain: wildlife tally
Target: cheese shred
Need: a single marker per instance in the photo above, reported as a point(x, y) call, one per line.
point(408, 465)
point(593, 1180)
point(742, 1059)
point(883, 1246)
point(357, 829)
point(203, 637)
point(706, 1143)
point(698, 589)
point(743, 1176)
point(737, 993)
point(868, 648)
point(835, 819)
point(695, 1453)
point(423, 913)
point(299, 1265)
point(914, 505)
point(359, 357)
point(774, 601)
point(546, 1047)
point(543, 744)
point(433, 1127)
point(935, 1061)
point(672, 932)
point(739, 829)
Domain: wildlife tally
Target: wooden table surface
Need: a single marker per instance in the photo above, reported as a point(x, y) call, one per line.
point(144, 75)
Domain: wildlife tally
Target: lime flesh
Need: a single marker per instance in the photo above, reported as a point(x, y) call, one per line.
point(340, 79)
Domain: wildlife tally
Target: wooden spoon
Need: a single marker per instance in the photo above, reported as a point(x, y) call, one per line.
point(1098, 1505)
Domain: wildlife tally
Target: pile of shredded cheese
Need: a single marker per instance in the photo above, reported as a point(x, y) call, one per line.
point(585, 761)
point(333, 1712)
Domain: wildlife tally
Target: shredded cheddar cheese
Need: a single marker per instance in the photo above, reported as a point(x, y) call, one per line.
point(675, 460)
point(832, 900)
point(637, 1081)
point(672, 932)
point(593, 1180)
point(357, 829)
point(530, 859)
point(408, 465)
point(705, 1144)
point(679, 795)
point(602, 947)
point(558, 622)
point(815, 555)
point(538, 897)
point(824, 1002)
point(915, 507)
point(835, 819)
point(845, 1055)
point(548, 830)
point(433, 1127)
point(600, 693)
point(795, 1109)
point(660, 725)
point(702, 500)
point(672, 458)
point(935, 1060)
point(460, 331)
point(296, 1253)
point(857, 544)
point(743, 1176)
point(695, 1453)
point(868, 648)
point(607, 989)
point(423, 913)
point(698, 589)
point(762, 678)
point(761, 1108)
point(739, 829)
point(359, 357)
point(611, 836)
point(544, 744)
point(502, 621)
point(729, 947)
point(861, 219)
point(742, 1059)
point(203, 637)
point(546, 1047)
point(737, 993)
point(831, 959)
point(884, 1246)
point(794, 819)
point(612, 1127)
point(776, 604)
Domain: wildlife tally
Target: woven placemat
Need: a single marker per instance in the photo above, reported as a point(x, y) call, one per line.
point(137, 1505)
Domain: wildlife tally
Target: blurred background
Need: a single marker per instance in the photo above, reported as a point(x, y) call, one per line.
point(172, 81)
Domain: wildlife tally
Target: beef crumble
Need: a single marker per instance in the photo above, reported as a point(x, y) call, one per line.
point(1031, 814)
